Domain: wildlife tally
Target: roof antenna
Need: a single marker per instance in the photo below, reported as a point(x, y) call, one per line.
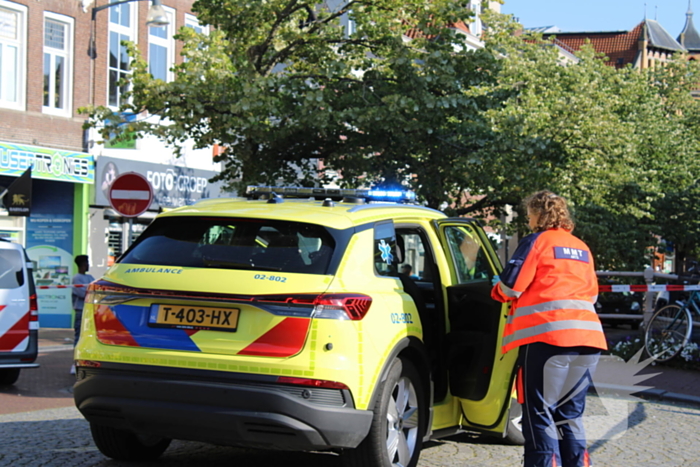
point(656, 12)
point(645, 11)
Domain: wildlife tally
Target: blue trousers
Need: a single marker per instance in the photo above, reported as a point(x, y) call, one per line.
point(556, 380)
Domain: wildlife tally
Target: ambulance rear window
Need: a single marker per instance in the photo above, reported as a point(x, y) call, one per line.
point(234, 243)
point(11, 275)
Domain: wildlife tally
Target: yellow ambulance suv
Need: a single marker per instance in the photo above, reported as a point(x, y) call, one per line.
point(290, 320)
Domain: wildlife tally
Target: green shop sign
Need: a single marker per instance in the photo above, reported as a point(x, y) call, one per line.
point(47, 163)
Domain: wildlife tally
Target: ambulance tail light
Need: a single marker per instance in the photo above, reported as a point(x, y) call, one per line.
point(102, 292)
point(88, 363)
point(33, 308)
point(352, 307)
point(340, 306)
point(316, 383)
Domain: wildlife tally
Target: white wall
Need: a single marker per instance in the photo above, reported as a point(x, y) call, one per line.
point(151, 149)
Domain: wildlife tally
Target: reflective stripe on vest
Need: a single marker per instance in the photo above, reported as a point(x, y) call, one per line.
point(551, 306)
point(566, 325)
point(508, 292)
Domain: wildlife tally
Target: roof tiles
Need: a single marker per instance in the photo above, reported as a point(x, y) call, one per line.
point(689, 37)
point(621, 47)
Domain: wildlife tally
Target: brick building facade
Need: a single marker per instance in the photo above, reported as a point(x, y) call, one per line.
point(46, 75)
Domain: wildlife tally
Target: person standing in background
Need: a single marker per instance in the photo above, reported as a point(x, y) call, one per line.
point(552, 285)
point(81, 279)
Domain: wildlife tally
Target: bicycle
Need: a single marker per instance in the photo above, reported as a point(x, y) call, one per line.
point(669, 329)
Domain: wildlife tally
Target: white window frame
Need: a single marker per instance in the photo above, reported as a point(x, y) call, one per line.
point(67, 54)
point(167, 42)
point(350, 26)
point(20, 74)
point(191, 21)
point(475, 27)
point(130, 31)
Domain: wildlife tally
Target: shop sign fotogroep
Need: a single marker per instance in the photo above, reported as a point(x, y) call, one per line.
point(46, 163)
point(172, 186)
point(169, 180)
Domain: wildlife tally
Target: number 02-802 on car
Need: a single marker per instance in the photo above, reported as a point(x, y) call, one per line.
point(194, 317)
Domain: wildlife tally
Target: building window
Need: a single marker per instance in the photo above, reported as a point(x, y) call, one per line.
point(122, 27)
point(349, 23)
point(12, 54)
point(58, 36)
point(191, 21)
point(161, 48)
point(475, 26)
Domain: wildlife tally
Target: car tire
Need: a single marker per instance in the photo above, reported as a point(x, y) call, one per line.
point(514, 429)
point(125, 445)
point(9, 376)
point(400, 415)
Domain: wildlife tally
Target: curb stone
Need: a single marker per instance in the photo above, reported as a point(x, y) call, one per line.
point(660, 394)
point(654, 394)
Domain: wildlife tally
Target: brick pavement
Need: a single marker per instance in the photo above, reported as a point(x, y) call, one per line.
point(655, 434)
point(51, 337)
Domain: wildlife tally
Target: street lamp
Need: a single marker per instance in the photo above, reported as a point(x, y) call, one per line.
point(156, 18)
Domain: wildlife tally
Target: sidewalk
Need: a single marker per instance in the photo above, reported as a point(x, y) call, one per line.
point(51, 338)
point(672, 384)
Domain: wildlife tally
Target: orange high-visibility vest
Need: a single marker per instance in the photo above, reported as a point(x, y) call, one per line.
point(552, 283)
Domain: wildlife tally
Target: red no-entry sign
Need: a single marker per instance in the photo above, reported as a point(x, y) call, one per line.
point(130, 194)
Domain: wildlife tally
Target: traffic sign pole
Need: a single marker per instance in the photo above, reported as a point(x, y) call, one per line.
point(130, 229)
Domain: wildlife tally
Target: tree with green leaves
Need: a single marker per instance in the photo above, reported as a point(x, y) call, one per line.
point(280, 84)
point(672, 153)
point(605, 138)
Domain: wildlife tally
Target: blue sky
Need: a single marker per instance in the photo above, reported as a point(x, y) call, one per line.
point(601, 15)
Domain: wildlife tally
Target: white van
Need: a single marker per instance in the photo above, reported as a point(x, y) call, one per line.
point(19, 313)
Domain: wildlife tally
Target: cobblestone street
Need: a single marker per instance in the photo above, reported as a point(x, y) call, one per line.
point(39, 426)
point(658, 435)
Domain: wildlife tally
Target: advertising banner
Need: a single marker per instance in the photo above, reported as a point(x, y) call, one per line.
point(50, 246)
point(173, 186)
point(46, 163)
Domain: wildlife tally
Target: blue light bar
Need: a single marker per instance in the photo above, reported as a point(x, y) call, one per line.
point(394, 196)
point(391, 195)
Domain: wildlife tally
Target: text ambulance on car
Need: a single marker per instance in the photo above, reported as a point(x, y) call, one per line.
point(282, 321)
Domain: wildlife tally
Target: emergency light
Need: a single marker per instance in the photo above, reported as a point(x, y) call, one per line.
point(337, 194)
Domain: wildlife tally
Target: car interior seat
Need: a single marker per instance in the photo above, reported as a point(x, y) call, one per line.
point(412, 289)
point(283, 251)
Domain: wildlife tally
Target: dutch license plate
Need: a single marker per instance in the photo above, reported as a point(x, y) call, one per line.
point(194, 317)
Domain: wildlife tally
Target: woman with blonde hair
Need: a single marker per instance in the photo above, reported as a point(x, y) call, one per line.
point(552, 286)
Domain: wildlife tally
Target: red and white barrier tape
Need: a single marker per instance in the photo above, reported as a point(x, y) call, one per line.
point(61, 286)
point(601, 288)
point(648, 288)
